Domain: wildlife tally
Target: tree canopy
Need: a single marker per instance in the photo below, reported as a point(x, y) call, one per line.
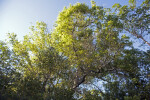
point(88, 55)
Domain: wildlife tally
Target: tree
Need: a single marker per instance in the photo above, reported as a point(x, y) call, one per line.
point(86, 45)
point(8, 74)
point(42, 67)
point(89, 40)
point(89, 37)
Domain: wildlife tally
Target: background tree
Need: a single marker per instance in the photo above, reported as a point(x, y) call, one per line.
point(134, 81)
point(42, 67)
point(8, 74)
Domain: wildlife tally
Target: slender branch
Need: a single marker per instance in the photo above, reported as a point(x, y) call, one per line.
point(136, 34)
point(97, 88)
point(80, 82)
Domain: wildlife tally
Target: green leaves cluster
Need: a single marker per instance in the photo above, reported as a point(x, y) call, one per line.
point(86, 47)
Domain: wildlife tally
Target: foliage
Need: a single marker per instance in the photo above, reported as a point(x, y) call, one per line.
point(85, 47)
point(135, 19)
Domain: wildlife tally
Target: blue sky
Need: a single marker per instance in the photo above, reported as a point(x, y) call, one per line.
point(18, 15)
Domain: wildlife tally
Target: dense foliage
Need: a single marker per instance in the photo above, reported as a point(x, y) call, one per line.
point(85, 57)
